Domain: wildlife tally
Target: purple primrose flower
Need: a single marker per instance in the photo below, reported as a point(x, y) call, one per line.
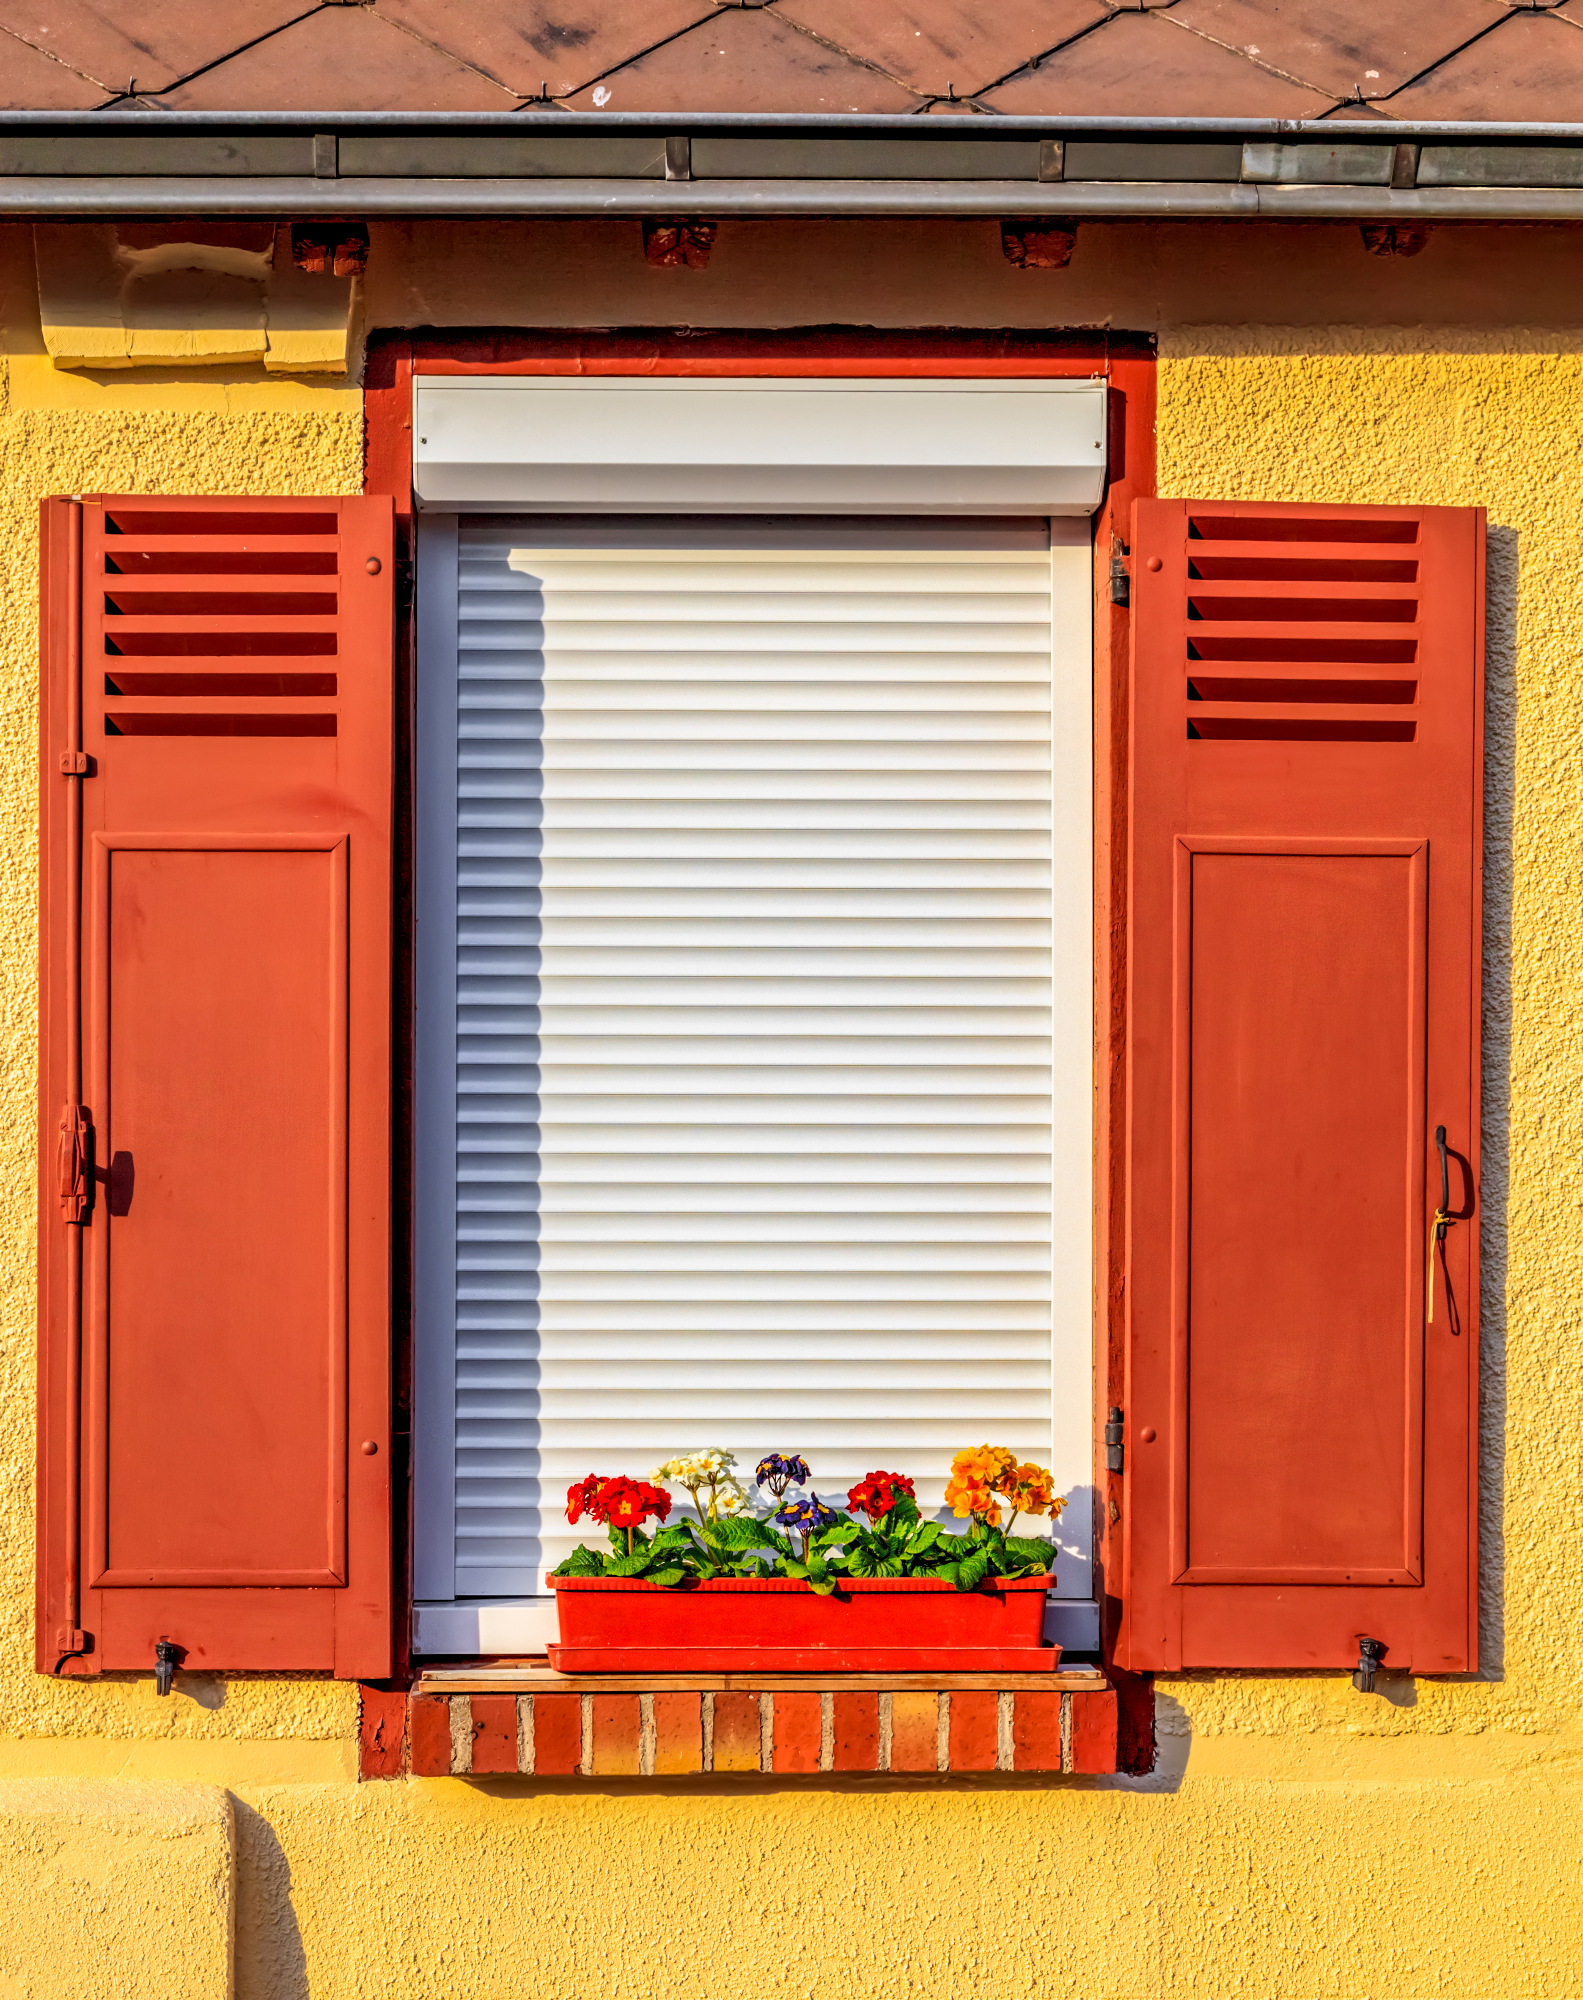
point(781, 1470)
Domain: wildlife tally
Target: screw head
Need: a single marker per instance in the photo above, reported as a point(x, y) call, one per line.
point(373, 565)
point(1148, 1433)
point(370, 1448)
point(1154, 563)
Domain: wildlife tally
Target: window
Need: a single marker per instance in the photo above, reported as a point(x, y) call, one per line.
point(755, 1014)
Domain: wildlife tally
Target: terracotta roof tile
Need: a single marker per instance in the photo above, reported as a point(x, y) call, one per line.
point(745, 59)
point(1106, 58)
point(939, 44)
point(30, 81)
point(1144, 62)
point(156, 41)
point(1530, 66)
point(1373, 50)
point(340, 59)
point(546, 42)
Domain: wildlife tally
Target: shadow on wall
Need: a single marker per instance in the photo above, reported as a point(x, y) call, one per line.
point(1500, 758)
point(270, 1961)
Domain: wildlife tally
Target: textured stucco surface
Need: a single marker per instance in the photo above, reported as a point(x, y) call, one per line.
point(115, 1889)
point(1299, 1841)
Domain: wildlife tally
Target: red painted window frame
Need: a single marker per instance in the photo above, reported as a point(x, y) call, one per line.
point(1126, 362)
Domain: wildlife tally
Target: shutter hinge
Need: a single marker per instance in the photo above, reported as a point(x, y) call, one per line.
point(1115, 1450)
point(74, 763)
point(70, 1639)
point(74, 1162)
point(1120, 572)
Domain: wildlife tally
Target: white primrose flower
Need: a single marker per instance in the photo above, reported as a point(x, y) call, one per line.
point(708, 1471)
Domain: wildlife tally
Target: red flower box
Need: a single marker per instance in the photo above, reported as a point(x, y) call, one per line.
point(729, 1625)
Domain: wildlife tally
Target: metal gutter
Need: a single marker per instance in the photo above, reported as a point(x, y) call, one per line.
point(65, 199)
point(723, 165)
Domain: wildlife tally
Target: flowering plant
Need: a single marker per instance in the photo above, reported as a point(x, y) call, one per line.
point(781, 1470)
point(712, 1473)
point(623, 1505)
point(879, 1493)
point(881, 1534)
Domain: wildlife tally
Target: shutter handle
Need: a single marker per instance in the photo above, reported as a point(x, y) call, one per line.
point(72, 1162)
point(1437, 1228)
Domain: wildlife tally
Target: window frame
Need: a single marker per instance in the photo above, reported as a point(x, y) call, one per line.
point(1127, 364)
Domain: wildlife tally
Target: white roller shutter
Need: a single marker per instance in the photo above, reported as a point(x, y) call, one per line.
point(754, 1012)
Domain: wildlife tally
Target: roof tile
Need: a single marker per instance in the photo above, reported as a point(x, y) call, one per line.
point(745, 59)
point(1143, 62)
point(157, 42)
point(339, 59)
point(546, 45)
point(936, 45)
point(1529, 66)
point(1342, 49)
point(33, 82)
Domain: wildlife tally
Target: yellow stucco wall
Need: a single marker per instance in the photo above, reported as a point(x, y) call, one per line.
point(1298, 1840)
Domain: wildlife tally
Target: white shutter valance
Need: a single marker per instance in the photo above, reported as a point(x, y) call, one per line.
point(757, 444)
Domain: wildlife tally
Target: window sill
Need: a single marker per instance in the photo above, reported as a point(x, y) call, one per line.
point(537, 1676)
point(520, 1719)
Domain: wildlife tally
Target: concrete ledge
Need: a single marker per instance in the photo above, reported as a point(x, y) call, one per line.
point(112, 1888)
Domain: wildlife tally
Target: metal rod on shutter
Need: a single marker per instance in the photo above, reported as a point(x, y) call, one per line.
point(73, 763)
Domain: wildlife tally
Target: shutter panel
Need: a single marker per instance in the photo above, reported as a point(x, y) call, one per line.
point(1304, 953)
point(216, 1431)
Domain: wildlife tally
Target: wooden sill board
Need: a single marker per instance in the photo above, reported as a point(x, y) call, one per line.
point(538, 1677)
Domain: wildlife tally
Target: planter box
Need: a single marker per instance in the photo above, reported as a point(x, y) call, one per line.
point(777, 1625)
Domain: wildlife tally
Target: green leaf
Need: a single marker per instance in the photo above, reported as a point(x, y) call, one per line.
point(1031, 1549)
point(972, 1569)
point(668, 1578)
point(739, 1531)
point(582, 1562)
point(632, 1565)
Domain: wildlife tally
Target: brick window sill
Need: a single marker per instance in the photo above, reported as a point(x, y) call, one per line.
point(503, 1720)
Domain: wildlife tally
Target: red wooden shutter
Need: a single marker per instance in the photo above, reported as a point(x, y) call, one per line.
point(1304, 1012)
point(215, 1097)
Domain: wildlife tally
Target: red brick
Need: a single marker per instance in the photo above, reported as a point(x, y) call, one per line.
point(1036, 1732)
point(737, 1732)
point(1094, 1731)
point(557, 1735)
point(678, 1734)
point(381, 1734)
point(617, 1730)
point(494, 1733)
point(856, 1732)
point(975, 1729)
point(914, 1731)
point(429, 1730)
point(798, 1731)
